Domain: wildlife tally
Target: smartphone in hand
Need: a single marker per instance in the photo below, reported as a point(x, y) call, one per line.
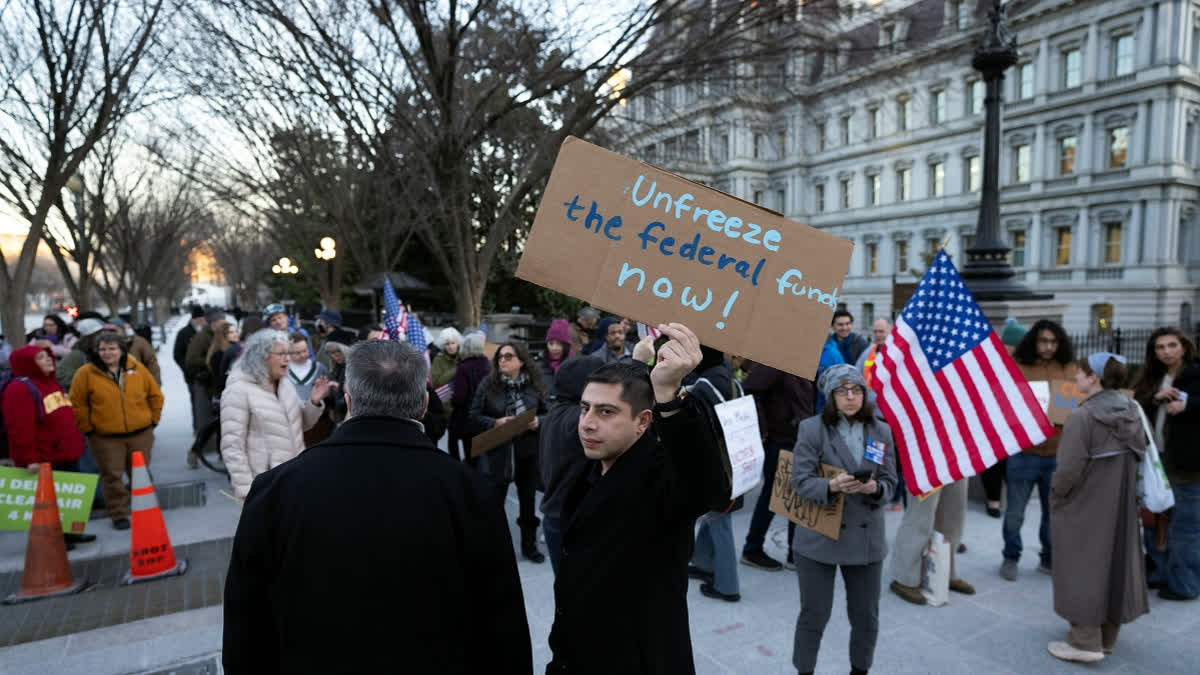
point(863, 476)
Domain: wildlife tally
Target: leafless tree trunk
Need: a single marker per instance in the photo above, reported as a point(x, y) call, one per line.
point(70, 72)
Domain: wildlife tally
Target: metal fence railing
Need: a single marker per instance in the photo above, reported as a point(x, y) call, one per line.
point(1130, 343)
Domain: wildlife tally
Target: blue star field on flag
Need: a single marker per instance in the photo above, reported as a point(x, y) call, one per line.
point(944, 316)
point(392, 311)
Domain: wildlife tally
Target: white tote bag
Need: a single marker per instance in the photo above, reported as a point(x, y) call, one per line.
point(935, 571)
point(1153, 488)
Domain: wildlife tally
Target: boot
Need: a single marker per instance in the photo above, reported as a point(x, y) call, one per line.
point(529, 547)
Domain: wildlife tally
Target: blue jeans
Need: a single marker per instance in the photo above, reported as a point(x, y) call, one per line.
point(553, 531)
point(1182, 572)
point(715, 551)
point(1022, 474)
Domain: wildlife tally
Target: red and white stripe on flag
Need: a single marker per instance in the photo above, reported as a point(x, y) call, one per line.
point(955, 400)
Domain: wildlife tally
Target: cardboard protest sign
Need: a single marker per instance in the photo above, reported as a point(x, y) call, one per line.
point(739, 425)
point(497, 436)
point(1064, 399)
point(649, 245)
point(18, 490)
point(823, 518)
point(1041, 392)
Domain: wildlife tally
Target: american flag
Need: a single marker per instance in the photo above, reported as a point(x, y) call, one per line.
point(955, 399)
point(395, 319)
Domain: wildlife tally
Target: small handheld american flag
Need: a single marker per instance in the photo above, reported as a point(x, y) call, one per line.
point(955, 399)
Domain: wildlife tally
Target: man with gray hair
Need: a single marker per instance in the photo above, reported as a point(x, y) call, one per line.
point(380, 503)
point(581, 329)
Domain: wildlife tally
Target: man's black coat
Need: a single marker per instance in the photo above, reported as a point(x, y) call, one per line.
point(621, 591)
point(374, 552)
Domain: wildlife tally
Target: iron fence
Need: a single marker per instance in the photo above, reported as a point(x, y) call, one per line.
point(1130, 343)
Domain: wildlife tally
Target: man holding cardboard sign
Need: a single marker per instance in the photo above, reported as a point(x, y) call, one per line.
point(647, 244)
point(621, 592)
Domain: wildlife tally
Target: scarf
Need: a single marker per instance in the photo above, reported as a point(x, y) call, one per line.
point(513, 390)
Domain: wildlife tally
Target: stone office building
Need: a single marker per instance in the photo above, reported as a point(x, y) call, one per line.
point(879, 140)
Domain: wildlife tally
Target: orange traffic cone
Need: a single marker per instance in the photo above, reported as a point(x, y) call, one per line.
point(150, 552)
point(47, 572)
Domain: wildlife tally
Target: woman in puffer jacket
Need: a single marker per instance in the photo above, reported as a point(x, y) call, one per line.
point(262, 419)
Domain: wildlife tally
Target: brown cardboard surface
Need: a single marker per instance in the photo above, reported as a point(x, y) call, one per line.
point(497, 436)
point(1064, 399)
point(754, 283)
point(823, 518)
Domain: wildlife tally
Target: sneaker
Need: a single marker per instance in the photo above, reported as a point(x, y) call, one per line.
point(701, 574)
point(790, 563)
point(760, 560)
point(1045, 569)
point(910, 593)
point(79, 538)
point(960, 586)
point(1064, 651)
point(962, 548)
point(1008, 569)
point(708, 590)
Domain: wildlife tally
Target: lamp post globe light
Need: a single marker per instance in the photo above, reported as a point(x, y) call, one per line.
point(989, 273)
point(285, 268)
point(328, 252)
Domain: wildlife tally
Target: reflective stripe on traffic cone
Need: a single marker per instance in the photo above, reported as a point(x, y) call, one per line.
point(47, 572)
point(150, 552)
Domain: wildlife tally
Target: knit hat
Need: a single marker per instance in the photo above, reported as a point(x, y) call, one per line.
point(1012, 332)
point(197, 312)
point(331, 317)
point(271, 310)
point(559, 330)
point(841, 374)
point(89, 327)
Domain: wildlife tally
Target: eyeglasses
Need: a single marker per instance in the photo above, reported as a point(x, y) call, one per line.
point(505, 356)
point(282, 355)
point(849, 391)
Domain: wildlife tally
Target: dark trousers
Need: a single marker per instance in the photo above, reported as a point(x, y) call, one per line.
point(760, 521)
point(525, 474)
point(552, 528)
point(816, 603)
point(993, 480)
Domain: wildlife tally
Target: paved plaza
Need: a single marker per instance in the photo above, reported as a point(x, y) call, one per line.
point(1002, 629)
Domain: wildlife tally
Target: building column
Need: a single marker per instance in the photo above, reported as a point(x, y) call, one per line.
point(1033, 243)
point(1084, 146)
point(1162, 39)
point(1143, 134)
point(1091, 55)
point(1132, 255)
point(1037, 155)
point(1145, 37)
point(1081, 248)
point(1158, 141)
point(1042, 68)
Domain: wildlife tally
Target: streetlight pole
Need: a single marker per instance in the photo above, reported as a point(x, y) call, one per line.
point(989, 273)
point(328, 252)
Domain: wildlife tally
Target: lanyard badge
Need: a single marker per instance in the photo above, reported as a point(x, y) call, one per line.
point(874, 451)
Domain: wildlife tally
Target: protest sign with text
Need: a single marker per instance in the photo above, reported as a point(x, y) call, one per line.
point(18, 491)
point(1064, 399)
point(655, 247)
point(823, 518)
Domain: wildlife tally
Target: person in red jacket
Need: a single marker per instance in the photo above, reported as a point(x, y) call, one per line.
point(41, 430)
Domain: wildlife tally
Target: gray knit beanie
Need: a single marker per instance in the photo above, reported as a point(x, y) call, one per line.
point(839, 375)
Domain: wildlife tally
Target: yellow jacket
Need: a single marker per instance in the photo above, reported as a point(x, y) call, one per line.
point(106, 407)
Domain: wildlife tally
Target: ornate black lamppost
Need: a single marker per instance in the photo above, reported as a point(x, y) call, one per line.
point(988, 272)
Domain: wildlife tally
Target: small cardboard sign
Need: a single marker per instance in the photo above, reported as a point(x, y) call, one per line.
point(1064, 399)
point(18, 492)
point(497, 436)
point(823, 518)
point(647, 244)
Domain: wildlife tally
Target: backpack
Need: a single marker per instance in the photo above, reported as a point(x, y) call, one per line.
point(6, 379)
point(708, 397)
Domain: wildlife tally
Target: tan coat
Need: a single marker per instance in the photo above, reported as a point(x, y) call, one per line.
point(1099, 573)
point(261, 427)
point(1047, 371)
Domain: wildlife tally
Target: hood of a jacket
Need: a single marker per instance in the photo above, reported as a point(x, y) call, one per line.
point(23, 363)
point(1114, 410)
point(572, 376)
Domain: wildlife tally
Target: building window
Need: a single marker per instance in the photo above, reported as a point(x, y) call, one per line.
point(1062, 246)
point(781, 200)
point(901, 255)
point(887, 36)
point(758, 142)
point(960, 15)
point(758, 197)
point(938, 106)
point(874, 122)
point(903, 113)
point(977, 89)
point(872, 259)
point(1195, 49)
point(903, 184)
point(820, 199)
point(1025, 81)
point(1122, 55)
point(1118, 147)
point(782, 151)
point(932, 246)
point(1102, 318)
point(1017, 243)
point(1021, 161)
point(723, 147)
point(1072, 68)
point(973, 174)
point(1112, 243)
point(1066, 155)
point(968, 241)
point(845, 184)
point(820, 131)
point(937, 179)
point(1189, 143)
point(873, 185)
point(868, 313)
point(845, 124)
point(650, 152)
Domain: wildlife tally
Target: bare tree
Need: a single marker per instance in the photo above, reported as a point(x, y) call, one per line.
point(245, 253)
point(69, 72)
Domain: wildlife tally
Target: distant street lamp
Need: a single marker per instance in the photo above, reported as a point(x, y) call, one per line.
point(327, 252)
point(285, 268)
